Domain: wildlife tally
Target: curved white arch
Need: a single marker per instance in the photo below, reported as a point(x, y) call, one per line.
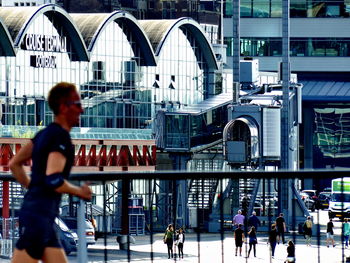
point(6, 43)
point(197, 32)
point(97, 23)
point(26, 16)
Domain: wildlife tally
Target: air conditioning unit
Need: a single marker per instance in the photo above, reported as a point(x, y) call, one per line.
point(249, 70)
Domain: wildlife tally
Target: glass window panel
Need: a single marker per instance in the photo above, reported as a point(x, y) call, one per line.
point(316, 8)
point(276, 8)
point(298, 8)
point(346, 8)
point(275, 47)
point(228, 8)
point(246, 8)
point(298, 48)
point(228, 41)
point(332, 10)
point(261, 8)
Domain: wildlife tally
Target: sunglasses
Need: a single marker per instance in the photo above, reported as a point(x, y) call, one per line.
point(75, 102)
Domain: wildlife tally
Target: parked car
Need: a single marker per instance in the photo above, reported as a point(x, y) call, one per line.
point(303, 196)
point(323, 200)
point(327, 190)
point(309, 203)
point(312, 194)
point(72, 223)
point(67, 237)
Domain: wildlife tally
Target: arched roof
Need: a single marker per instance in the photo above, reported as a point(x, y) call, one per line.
point(91, 26)
point(159, 30)
point(6, 42)
point(18, 20)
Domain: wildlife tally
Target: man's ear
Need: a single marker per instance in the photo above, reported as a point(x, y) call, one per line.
point(63, 108)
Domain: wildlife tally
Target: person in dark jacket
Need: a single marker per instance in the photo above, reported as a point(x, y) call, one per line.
point(273, 239)
point(254, 221)
point(169, 239)
point(252, 240)
point(290, 252)
point(281, 227)
point(330, 233)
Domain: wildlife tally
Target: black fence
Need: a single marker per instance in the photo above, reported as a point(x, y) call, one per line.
point(133, 220)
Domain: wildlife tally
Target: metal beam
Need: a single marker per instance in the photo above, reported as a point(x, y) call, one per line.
point(236, 53)
point(285, 85)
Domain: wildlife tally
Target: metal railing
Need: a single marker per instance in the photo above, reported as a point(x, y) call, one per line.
point(198, 243)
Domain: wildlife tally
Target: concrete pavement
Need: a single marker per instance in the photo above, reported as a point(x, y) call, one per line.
point(210, 249)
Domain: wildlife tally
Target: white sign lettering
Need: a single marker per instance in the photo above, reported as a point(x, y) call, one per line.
point(37, 42)
point(40, 61)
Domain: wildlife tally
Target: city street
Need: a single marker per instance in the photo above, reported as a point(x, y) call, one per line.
point(211, 249)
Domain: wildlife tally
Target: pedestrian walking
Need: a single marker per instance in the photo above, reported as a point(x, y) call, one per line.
point(330, 233)
point(346, 232)
point(281, 228)
point(254, 221)
point(52, 155)
point(238, 219)
point(307, 227)
point(252, 240)
point(180, 240)
point(169, 240)
point(273, 239)
point(290, 252)
point(239, 239)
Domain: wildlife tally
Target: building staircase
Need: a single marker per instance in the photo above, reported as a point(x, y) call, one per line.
point(201, 193)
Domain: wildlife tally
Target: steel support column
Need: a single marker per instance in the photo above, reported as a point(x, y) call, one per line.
point(6, 154)
point(5, 199)
point(82, 251)
point(284, 189)
point(236, 52)
point(285, 122)
point(181, 190)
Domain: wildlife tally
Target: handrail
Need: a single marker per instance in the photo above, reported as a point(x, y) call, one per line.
point(253, 197)
point(168, 175)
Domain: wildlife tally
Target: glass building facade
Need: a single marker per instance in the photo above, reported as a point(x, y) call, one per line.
point(124, 71)
point(329, 46)
point(298, 8)
point(299, 47)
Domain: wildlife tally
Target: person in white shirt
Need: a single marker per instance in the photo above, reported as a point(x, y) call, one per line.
point(180, 242)
point(238, 219)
